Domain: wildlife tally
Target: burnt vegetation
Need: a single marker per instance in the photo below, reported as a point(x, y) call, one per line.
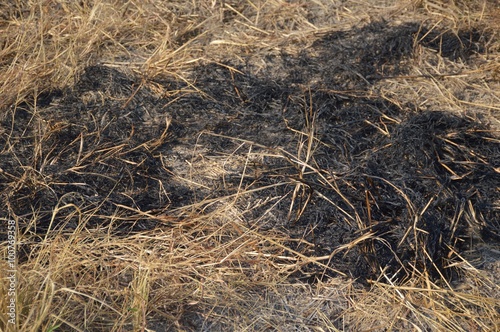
point(418, 186)
point(251, 165)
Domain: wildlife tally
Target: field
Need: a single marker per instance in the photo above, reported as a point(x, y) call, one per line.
point(248, 165)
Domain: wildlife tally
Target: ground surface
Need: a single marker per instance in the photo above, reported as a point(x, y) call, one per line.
point(302, 184)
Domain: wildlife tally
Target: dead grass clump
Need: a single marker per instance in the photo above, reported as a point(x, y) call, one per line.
point(47, 44)
point(421, 304)
point(456, 60)
point(209, 263)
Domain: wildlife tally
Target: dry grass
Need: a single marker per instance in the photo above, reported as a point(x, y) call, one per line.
point(205, 263)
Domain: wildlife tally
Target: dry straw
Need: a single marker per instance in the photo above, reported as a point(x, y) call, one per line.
point(206, 264)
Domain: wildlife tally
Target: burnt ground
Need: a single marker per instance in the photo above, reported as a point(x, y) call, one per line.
point(420, 185)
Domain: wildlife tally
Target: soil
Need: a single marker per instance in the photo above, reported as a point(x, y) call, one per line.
point(423, 183)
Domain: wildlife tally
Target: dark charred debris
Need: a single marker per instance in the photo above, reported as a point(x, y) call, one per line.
point(421, 186)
